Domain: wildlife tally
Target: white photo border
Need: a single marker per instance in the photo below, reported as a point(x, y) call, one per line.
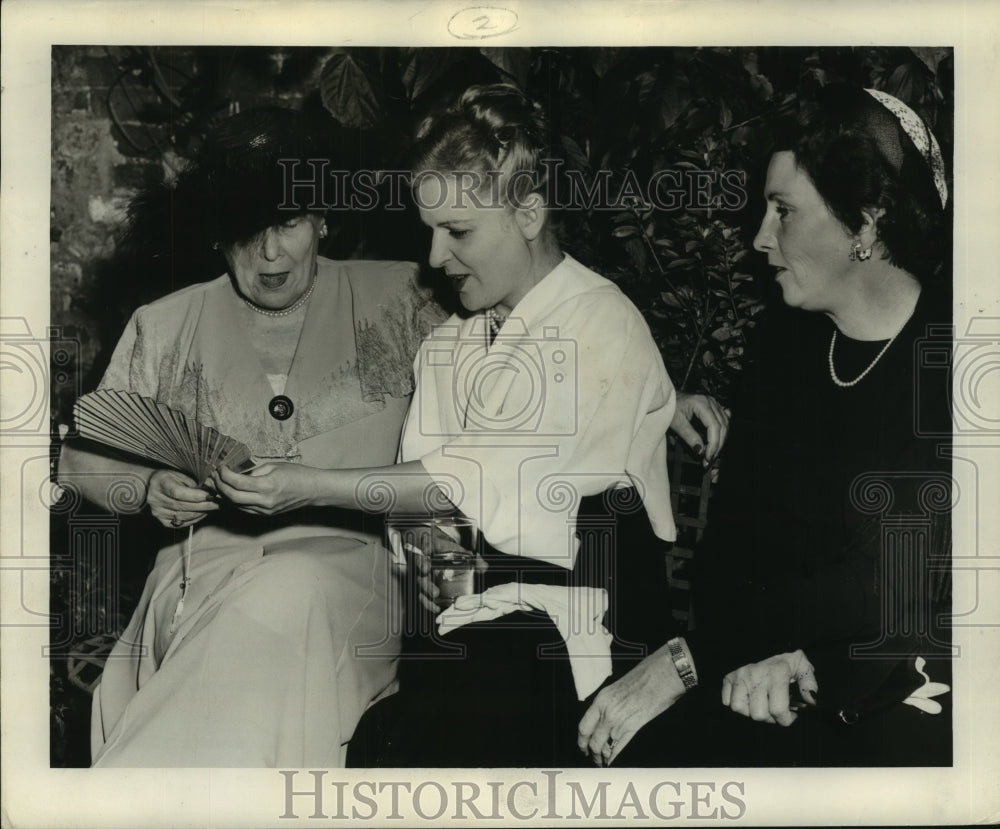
point(36, 795)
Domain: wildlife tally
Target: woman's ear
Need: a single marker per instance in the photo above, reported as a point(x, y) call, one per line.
point(869, 225)
point(530, 216)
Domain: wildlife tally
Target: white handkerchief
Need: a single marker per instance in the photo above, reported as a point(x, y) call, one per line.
point(577, 612)
point(922, 697)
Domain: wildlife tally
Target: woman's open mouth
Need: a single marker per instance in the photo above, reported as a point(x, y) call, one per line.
point(457, 280)
point(273, 281)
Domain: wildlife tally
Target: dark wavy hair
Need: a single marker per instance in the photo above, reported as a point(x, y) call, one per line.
point(859, 157)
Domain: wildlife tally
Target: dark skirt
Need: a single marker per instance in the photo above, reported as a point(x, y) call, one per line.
point(500, 693)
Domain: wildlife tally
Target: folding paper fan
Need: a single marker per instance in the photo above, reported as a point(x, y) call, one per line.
point(141, 426)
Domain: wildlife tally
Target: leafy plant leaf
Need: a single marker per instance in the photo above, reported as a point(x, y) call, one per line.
point(421, 67)
point(513, 62)
point(351, 91)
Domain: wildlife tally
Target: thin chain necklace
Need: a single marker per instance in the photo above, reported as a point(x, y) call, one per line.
point(847, 384)
point(284, 312)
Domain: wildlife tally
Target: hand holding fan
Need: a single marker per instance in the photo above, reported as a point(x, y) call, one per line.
point(141, 426)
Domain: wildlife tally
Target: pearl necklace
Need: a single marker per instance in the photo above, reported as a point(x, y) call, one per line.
point(284, 312)
point(495, 320)
point(858, 379)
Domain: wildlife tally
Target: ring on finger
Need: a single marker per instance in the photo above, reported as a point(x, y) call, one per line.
point(175, 521)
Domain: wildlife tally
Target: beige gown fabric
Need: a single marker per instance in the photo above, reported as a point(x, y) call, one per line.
point(287, 632)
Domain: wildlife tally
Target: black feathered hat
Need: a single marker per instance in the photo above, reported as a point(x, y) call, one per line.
point(255, 169)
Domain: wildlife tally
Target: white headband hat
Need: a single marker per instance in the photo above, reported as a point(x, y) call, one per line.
point(921, 136)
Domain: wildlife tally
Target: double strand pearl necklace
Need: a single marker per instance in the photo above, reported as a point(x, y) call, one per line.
point(847, 384)
point(284, 312)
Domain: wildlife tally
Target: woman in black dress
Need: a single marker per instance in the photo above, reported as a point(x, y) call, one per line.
point(823, 576)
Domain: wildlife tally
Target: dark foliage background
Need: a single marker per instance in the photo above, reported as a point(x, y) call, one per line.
point(628, 111)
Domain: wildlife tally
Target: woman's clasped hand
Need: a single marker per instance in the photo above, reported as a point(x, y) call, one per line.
point(175, 500)
point(760, 690)
point(269, 489)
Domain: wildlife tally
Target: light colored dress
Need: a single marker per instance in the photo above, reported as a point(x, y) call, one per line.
point(286, 632)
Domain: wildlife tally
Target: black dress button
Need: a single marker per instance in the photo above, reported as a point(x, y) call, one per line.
point(280, 407)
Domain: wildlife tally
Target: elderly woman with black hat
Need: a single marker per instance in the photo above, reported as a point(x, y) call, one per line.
point(822, 583)
point(244, 649)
